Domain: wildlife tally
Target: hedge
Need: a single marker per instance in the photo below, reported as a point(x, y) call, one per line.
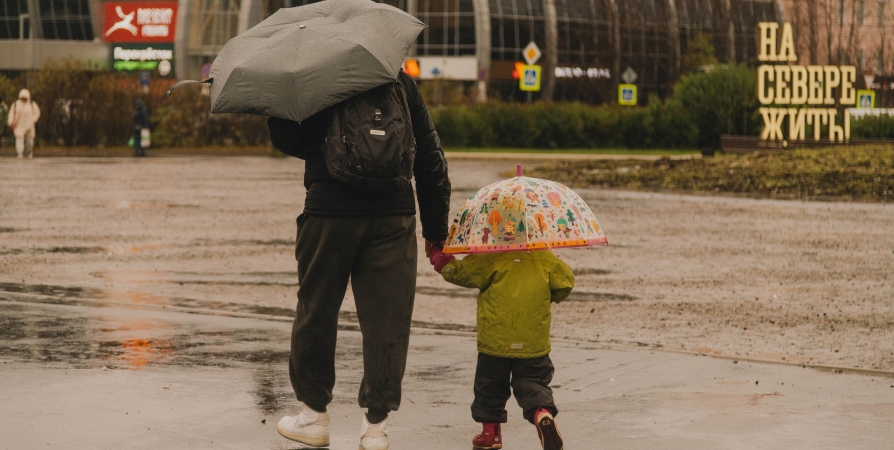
point(703, 107)
point(83, 107)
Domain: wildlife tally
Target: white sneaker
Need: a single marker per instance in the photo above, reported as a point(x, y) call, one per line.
point(308, 427)
point(373, 437)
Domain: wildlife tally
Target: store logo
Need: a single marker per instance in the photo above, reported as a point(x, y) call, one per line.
point(124, 24)
point(140, 21)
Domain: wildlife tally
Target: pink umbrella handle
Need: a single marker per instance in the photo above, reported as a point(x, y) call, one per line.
point(518, 171)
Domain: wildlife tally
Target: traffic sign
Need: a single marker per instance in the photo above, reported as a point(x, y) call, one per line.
point(529, 79)
point(531, 53)
point(629, 76)
point(627, 94)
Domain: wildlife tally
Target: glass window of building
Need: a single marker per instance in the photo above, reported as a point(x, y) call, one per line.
point(65, 19)
point(450, 30)
point(14, 21)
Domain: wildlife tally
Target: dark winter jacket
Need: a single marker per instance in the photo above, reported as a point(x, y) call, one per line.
point(140, 116)
point(327, 197)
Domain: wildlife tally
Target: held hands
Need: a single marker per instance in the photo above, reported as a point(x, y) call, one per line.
point(431, 244)
point(438, 258)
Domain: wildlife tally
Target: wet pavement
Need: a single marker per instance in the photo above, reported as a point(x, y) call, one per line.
point(147, 304)
point(83, 374)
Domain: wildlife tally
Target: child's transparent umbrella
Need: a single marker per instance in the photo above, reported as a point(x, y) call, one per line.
point(522, 214)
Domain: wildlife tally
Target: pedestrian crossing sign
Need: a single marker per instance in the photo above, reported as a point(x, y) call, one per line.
point(529, 79)
point(627, 94)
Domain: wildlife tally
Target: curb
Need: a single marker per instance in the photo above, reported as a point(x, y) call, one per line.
point(498, 156)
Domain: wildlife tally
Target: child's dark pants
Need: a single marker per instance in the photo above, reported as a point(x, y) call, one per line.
point(530, 380)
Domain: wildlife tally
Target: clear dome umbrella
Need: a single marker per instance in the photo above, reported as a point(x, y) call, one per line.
point(522, 214)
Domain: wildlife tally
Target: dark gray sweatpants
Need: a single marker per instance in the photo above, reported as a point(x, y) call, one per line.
point(378, 255)
point(529, 379)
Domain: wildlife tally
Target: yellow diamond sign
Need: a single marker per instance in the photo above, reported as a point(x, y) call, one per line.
point(531, 53)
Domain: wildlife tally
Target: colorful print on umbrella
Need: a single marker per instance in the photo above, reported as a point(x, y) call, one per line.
point(520, 214)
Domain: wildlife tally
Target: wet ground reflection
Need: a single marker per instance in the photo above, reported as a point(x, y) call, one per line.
point(64, 336)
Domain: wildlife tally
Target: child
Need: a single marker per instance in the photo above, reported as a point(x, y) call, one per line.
point(513, 335)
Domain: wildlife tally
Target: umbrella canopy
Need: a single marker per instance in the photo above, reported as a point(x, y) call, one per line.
point(523, 213)
point(302, 60)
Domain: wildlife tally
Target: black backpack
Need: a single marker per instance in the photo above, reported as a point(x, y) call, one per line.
point(369, 144)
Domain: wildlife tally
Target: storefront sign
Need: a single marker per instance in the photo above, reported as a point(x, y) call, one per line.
point(793, 93)
point(157, 58)
point(139, 21)
point(580, 72)
point(442, 67)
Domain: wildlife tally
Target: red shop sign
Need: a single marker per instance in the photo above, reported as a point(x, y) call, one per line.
point(139, 21)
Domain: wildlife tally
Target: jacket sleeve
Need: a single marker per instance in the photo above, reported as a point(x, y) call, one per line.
point(430, 167)
point(10, 116)
point(561, 282)
point(36, 111)
point(297, 138)
point(455, 272)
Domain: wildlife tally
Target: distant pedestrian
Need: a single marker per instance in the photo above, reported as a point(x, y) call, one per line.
point(4, 116)
point(23, 115)
point(140, 121)
point(515, 292)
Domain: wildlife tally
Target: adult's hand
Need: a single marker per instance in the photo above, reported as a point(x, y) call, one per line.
point(430, 244)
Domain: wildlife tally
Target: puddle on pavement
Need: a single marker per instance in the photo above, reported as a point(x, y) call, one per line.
point(441, 292)
point(273, 392)
point(233, 283)
point(435, 373)
point(125, 204)
point(588, 271)
point(598, 297)
point(252, 242)
point(64, 292)
point(351, 316)
point(88, 297)
point(38, 334)
point(37, 251)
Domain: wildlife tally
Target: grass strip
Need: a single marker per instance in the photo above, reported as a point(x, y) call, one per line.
point(582, 151)
point(863, 173)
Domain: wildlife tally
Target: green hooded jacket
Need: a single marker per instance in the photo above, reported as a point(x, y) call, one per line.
point(516, 290)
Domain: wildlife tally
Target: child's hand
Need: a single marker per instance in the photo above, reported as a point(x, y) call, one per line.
point(438, 258)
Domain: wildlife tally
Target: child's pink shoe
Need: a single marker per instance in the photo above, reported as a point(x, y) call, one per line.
point(550, 438)
point(489, 438)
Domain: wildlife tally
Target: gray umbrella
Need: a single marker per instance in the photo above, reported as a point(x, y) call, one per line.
point(302, 60)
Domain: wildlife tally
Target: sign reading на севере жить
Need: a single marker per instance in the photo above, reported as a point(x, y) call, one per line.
point(800, 85)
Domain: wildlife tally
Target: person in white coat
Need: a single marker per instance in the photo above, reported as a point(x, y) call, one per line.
point(22, 117)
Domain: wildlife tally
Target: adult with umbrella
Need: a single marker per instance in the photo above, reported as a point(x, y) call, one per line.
point(317, 70)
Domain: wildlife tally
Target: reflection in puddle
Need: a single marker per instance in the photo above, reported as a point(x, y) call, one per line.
point(273, 392)
point(64, 337)
point(140, 352)
point(54, 291)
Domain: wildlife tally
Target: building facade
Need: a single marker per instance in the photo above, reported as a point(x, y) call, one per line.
point(586, 44)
